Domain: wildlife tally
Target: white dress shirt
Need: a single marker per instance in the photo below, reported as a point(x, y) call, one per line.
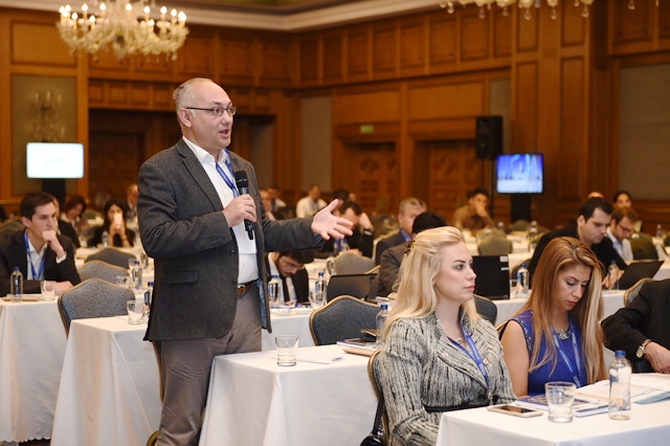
point(622, 247)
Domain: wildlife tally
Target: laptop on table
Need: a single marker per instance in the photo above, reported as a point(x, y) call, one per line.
point(639, 270)
point(492, 276)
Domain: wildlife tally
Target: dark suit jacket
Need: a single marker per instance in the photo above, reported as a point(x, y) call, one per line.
point(389, 268)
point(195, 253)
point(68, 231)
point(386, 243)
point(13, 253)
point(647, 317)
point(300, 282)
point(604, 250)
point(358, 240)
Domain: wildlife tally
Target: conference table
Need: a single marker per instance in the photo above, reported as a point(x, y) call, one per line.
point(648, 425)
point(326, 399)
point(32, 346)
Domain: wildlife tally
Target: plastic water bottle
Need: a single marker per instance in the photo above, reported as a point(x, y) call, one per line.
point(659, 231)
point(613, 272)
point(381, 320)
point(532, 234)
point(105, 239)
point(522, 281)
point(620, 371)
point(16, 285)
point(273, 290)
point(320, 287)
point(148, 296)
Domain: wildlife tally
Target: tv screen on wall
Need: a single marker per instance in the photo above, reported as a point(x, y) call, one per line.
point(520, 173)
point(54, 160)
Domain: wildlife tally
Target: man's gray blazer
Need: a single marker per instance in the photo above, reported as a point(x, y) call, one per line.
point(194, 250)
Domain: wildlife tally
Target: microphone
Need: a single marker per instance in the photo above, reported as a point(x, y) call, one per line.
point(242, 183)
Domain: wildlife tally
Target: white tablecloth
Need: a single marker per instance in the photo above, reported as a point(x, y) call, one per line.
point(649, 426)
point(293, 324)
point(252, 401)
point(32, 345)
point(109, 392)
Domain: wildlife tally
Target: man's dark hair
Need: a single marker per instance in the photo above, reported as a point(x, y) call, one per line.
point(621, 192)
point(478, 191)
point(73, 202)
point(341, 194)
point(351, 205)
point(302, 257)
point(427, 220)
point(620, 214)
point(31, 200)
point(590, 205)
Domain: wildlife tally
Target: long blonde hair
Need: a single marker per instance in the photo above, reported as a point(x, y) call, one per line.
point(416, 293)
point(562, 253)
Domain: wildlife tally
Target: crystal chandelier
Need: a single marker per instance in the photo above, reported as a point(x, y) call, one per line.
point(522, 4)
point(125, 28)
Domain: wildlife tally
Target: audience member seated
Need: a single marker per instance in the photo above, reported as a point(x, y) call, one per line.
point(474, 216)
point(290, 267)
point(311, 204)
point(267, 204)
point(276, 202)
point(642, 329)
point(38, 251)
point(556, 335)
point(621, 228)
point(591, 228)
point(392, 257)
point(438, 353)
point(407, 211)
point(114, 228)
point(623, 200)
point(130, 207)
point(70, 223)
point(360, 241)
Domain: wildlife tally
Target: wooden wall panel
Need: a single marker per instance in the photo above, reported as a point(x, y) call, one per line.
point(358, 53)
point(384, 50)
point(236, 58)
point(39, 43)
point(333, 49)
point(106, 65)
point(363, 108)
point(502, 34)
point(526, 107)
point(573, 25)
point(573, 128)
point(196, 57)
point(413, 48)
point(664, 23)
point(527, 32)
point(309, 60)
point(474, 41)
point(443, 41)
point(277, 61)
point(446, 101)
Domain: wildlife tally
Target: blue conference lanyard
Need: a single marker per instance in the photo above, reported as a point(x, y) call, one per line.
point(476, 357)
point(228, 180)
point(575, 349)
point(37, 275)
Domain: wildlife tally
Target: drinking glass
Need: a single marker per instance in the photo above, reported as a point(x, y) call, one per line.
point(560, 397)
point(135, 312)
point(48, 288)
point(317, 300)
point(123, 281)
point(287, 350)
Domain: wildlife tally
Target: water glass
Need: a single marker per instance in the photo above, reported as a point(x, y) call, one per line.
point(287, 350)
point(135, 312)
point(317, 300)
point(123, 281)
point(560, 398)
point(48, 288)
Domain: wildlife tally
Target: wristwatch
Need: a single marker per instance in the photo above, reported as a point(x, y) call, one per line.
point(640, 349)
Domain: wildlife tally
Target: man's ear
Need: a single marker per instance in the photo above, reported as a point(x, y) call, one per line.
point(581, 221)
point(184, 117)
point(26, 222)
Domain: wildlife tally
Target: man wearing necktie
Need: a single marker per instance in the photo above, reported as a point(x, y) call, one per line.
point(620, 229)
point(210, 277)
point(290, 267)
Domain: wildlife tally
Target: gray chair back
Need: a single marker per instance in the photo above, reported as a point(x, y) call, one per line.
point(97, 269)
point(631, 293)
point(643, 248)
point(486, 308)
point(93, 298)
point(112, 256)
point(493, 245)
point(342, 318)
point(350, 263)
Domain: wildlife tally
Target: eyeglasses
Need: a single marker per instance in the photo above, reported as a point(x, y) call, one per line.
point(216, 111)
point(625, 229)
point(293, 266)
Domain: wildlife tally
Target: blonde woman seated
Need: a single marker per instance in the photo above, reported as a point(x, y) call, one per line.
point(438, 354)
point(556, 335)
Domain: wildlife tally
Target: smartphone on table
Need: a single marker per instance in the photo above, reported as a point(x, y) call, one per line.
point(510, 409)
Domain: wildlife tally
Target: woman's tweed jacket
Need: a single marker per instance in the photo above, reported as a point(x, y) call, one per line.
point(420, 367)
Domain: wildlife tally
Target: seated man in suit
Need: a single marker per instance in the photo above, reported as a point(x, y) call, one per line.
point(290, 267)
point(38, 250)
point(641, 329)
point(360, 241)
point(408, 210)
point(474, 216)
point(621, 228)
point(392, 257)
point(591, 228)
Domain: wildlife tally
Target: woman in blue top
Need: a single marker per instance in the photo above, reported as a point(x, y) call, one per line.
point(556, 335)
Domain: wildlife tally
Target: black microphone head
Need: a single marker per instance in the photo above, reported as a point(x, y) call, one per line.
point(241, 179)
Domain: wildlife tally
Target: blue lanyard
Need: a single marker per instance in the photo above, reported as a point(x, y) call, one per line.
point(37, 275)
point(575, 349)
point(228, 180)
point(476, 357)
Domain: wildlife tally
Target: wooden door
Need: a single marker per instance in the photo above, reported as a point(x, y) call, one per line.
point(114, 163)
point(374, 177)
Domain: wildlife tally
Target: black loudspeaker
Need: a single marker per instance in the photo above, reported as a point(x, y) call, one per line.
point(489, 136)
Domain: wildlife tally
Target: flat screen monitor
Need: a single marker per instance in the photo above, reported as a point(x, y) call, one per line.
point(54, 160)
point(519, 173)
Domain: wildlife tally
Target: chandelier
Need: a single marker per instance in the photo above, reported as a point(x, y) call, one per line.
point(125, 28)
point(522, 4)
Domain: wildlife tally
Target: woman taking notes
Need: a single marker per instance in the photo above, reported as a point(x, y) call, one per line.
point(438, 354)
point(556, 335)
